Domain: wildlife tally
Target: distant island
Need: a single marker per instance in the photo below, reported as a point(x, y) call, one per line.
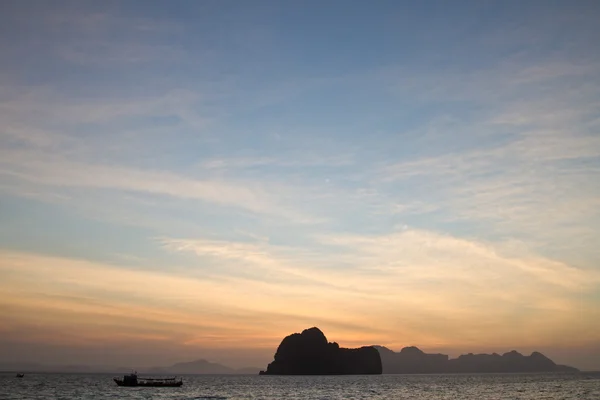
point(411, 360)
point(309, 353)
point(201, 367)
point(198, 367)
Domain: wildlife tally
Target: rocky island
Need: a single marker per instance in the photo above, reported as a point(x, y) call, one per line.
point(309, 353)
point(411, 360)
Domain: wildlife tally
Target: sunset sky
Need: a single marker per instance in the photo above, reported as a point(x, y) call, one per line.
point(197, 179)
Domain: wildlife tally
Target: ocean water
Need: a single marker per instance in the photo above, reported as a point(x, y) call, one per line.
point(197, 387)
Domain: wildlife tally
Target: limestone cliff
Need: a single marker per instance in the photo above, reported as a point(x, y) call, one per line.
point(309, 353)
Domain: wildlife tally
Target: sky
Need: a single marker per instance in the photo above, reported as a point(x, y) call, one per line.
point(198, 179)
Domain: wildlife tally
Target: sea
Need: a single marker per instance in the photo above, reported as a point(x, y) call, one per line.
point(197, 387)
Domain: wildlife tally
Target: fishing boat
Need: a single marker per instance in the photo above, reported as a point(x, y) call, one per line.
point(19, 375)
point(133, 380)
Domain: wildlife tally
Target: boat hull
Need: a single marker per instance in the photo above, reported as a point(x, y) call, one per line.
point(120, 382)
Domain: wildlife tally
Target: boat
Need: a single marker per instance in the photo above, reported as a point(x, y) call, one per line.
point(133, 380)
point(19, 375)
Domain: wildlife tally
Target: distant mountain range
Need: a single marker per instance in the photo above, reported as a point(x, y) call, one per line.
point(37, 367)
point(193, 367)
point(200, 367)
point(411, 360)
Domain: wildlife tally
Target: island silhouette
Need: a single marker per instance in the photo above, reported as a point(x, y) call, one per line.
point(309, 353)
point(412, 360)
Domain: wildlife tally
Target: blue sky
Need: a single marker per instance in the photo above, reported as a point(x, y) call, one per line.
point(392, 172)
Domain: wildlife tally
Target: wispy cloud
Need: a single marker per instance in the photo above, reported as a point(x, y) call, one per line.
point(292, 160)
point(519, 169)
point(48, 170)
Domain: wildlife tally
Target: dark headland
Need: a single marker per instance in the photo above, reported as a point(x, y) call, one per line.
point(309, 353)
point(411, 360)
